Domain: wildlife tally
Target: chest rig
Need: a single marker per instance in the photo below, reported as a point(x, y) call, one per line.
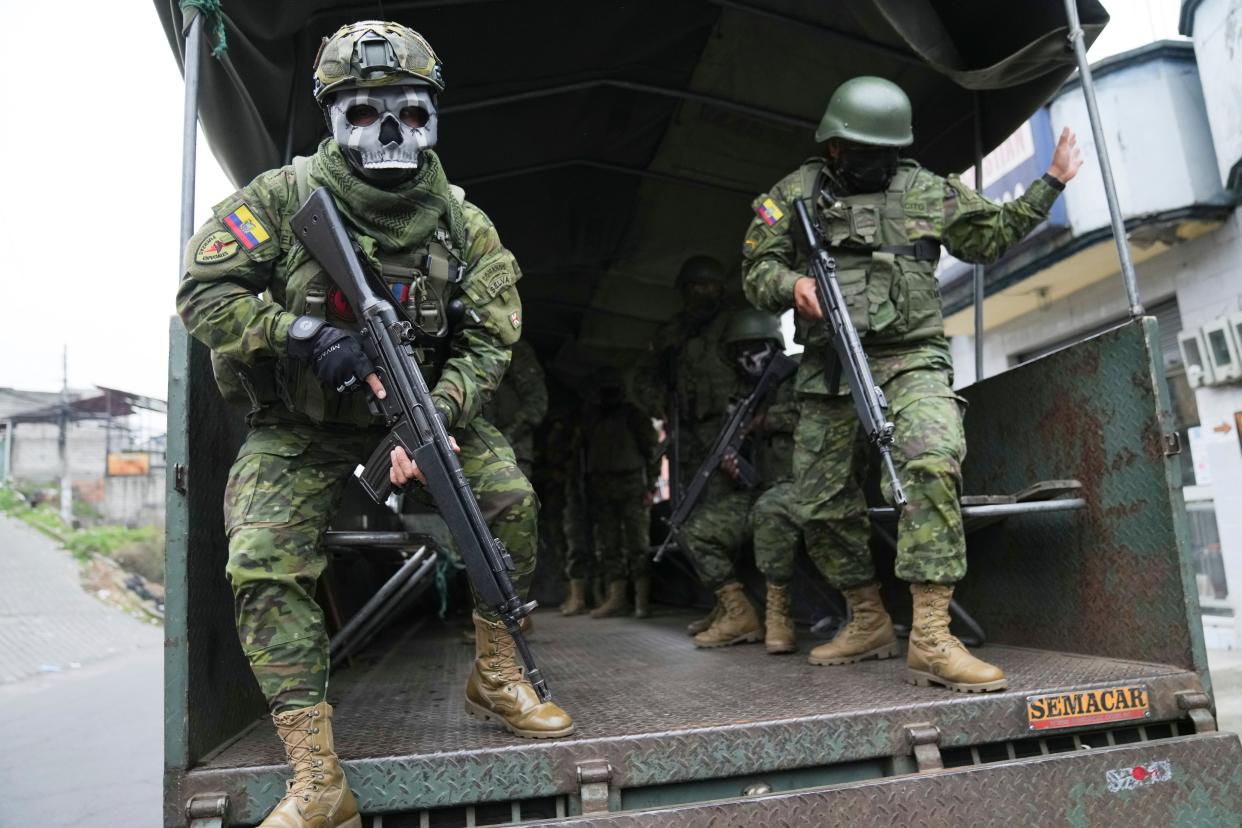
point(425, 281)
point(886, 246)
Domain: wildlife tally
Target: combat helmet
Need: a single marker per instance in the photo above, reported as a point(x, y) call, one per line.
point(375, 53)
point(868, 110)
point(750, 324)
point(699, 269)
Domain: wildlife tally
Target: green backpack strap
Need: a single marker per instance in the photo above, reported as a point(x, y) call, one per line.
point(301, 172)
point(812, 173)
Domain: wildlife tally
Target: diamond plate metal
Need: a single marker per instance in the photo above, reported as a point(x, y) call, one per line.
point(651, 706)
point(1072, 789)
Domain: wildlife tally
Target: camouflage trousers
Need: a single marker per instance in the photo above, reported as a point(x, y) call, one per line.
point(579, 549)
point(777, 532)
point(620, 524)
point(830, 465)
point(282, 492)
point(717, 531)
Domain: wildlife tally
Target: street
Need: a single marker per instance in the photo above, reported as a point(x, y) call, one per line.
point(84, 742)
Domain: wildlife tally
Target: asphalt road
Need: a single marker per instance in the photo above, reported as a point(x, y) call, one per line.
point(81, 697)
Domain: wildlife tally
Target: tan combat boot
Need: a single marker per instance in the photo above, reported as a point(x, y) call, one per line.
point(699, 624)
point(615, 604)
point(642, 597)
point(779, 634)
point(737, 623)
point(869, 634)
point(575, 604)
point(318, 795)
point(935, 655)
point(497, 689)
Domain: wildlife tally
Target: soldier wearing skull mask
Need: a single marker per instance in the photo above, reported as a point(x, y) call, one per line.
point(283, 344)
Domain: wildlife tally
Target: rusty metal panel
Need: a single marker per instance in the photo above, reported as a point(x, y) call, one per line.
point(1190, 781)
point(1114, 579)
point(653, 708)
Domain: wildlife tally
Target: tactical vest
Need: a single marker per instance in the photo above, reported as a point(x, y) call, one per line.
point(886, 246)
point(424, 280)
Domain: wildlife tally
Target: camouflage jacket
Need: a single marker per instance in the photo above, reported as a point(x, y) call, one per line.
point(689, 360)
point(620, 440)
point(245, 283)
point(520, 402)
point(886, 246)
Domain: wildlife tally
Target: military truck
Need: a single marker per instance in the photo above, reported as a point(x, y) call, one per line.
point(608, 142)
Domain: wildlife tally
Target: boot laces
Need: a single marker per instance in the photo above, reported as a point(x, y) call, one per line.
point(936, 623)
point(778, 600)
point(503, 659)
point(301, 749)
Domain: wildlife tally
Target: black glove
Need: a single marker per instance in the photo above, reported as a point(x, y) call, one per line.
point(335, 355)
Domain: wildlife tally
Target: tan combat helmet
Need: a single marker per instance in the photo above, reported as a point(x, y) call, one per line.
point(373, 53)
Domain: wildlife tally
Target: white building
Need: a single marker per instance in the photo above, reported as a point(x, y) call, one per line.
point(1172, 113)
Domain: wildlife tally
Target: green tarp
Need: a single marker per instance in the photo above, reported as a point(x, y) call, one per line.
point(611, 140)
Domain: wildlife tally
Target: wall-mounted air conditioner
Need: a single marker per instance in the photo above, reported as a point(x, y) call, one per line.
point(1222, 350)
point(1198, 369)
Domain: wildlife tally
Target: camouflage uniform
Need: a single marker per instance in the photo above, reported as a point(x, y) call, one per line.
point(705, 383)
point(518, 406)
point(622, 456)
point(775, 521)
point(886, 246)
point(246, 281)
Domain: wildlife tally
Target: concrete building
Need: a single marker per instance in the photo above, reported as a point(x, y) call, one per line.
point(1172, 112)
point(114, 448)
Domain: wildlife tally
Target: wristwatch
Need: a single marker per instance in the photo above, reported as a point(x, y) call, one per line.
point(302, 335)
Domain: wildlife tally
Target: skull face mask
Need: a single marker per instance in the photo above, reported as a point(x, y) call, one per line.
point(384, 128)
point(752, 357)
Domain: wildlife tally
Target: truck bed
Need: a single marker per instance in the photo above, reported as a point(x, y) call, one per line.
point(661, 715)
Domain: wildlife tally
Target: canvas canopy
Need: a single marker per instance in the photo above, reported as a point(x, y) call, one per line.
point(609, 141)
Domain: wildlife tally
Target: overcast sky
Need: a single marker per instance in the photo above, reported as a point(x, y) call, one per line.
point(91, 207)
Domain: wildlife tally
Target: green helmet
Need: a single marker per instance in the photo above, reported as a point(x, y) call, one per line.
point(700, 269)
point(868, 110)
point(375, 53)
point(750, 324)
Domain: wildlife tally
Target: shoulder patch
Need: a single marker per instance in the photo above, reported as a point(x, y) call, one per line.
point(769, 211)
point(217, 247)
point(247, 229)
point(497, 278)
point(515, 319)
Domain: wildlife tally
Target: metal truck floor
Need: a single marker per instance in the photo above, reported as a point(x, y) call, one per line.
point(640, 688)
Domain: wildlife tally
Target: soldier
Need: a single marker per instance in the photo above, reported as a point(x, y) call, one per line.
point(622, 463)
point(579, 544)
point(247, 282)
point(518, 406)
point(776, 529)
point(885, 219)
point(687, 382)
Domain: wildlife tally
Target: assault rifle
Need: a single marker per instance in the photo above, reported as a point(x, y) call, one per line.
point(728, 441)
point(414, 423)
point(869, 399)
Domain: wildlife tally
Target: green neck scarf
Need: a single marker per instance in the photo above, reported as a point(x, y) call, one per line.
point(400, 218)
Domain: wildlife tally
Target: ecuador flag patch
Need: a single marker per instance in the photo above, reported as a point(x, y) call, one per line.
point(246, 228)
point(769, 212)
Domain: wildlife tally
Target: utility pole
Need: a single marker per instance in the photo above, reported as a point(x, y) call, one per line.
point(62, 443)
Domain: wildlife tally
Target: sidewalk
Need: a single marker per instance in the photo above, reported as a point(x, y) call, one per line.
point(81, 696)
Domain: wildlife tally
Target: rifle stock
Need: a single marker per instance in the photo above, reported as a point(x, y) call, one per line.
point(413, 422)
